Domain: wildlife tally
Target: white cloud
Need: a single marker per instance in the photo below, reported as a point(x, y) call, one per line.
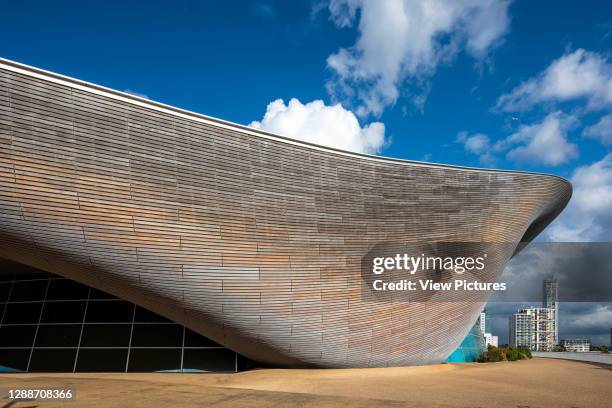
point(580, 74)
point(329, 125)
point(588, 216)
point(542, 143)
point(138, 94)
point(601, 131)
point(478, 144)
point(401, 39)
point(598, 317)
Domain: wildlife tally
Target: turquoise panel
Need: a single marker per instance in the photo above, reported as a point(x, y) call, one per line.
point(4, 369)
point(470, 348)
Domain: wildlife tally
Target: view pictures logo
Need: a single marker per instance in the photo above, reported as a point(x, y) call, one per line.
point(422, 271)
point(412, 264)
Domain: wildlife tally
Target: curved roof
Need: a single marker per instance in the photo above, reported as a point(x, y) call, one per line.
point(159, 106)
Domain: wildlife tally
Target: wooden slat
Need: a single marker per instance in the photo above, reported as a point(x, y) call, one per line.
point(252, 242)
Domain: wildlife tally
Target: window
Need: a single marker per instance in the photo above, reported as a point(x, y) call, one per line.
point(51, 322)
point(101, 360)
point(147, 360)
point(58, 335)
point(52, 360)
point(209, 359)
point(63, 312)
point(65, 289)
point(193, 339)
point(144, 315)
point(22, 313)
point(157, 335)
point(4, 275)
point(98, 294)
point(5, 288)
point(28, 291)
point(100, 311)
point(106, 335)
point(14, 359)
point(17, 336)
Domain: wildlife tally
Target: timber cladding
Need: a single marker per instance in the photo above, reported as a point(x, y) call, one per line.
point(249, 239)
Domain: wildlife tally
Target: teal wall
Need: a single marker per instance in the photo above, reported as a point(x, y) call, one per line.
point(470, 348)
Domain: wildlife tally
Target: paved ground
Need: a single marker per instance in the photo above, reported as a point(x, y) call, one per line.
point(534, 383)
point(592, 356)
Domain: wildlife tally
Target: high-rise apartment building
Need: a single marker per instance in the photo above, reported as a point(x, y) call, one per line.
point(533, 328)
point(520, 329)
point(485, 328)
point(550, 300)
point(482, 321)
point(485, 322)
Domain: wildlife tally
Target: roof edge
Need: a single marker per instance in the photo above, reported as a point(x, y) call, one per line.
point(43, 74)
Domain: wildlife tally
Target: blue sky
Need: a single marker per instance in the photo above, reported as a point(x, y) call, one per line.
point(510, 84)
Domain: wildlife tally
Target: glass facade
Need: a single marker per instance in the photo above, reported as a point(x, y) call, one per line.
point(470, 348)
point(52, 324)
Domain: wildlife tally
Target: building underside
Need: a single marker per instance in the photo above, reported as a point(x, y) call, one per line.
point(249, 239)
point(52, 324)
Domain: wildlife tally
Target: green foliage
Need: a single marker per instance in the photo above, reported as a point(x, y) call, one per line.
point(526, 352)
point(494, 354)
point(512, 354)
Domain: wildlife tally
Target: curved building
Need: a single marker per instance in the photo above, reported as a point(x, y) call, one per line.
point(250, 239)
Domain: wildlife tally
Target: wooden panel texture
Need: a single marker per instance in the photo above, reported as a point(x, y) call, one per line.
point(249, 239)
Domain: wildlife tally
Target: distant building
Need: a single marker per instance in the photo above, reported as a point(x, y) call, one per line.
point(485, 322)
point(550, 300)
point(533, 328)
point(485, 329)
point(491, 340)
point(520, 329)
point(482, 321)
point(576, 345)
point(537, 328)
